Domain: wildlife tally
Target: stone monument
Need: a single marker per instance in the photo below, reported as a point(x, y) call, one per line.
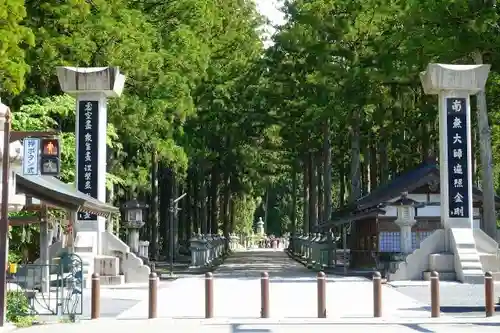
point(260, 227)
point(454, 84)
point(97, 246)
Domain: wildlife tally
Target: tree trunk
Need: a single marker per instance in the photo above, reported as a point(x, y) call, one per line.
point(489, 213)
point(203, 201)
point(196, 200)
point(190, 204)
point(384, 160)
point(327, 172)
point(293, 215)
point(225, 208)
point(313, 198)
point(214, 227)
point(321, 197)
point(154, 206)
point(373, 163)
point(355, 192)
point(342, 172)
point(305, 195)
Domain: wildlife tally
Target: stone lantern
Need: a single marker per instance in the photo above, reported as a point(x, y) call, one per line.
point(134, 220)
point(260, 227)
point(406, 220)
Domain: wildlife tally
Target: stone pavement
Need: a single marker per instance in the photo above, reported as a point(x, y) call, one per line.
point(114, 300)
point(292, 293)
point(455, 297)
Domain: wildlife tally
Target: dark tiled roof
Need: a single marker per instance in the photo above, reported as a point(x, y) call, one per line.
point(53, 191)
point(409, 181)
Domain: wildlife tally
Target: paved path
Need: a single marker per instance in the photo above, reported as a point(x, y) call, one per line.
point(292, 293)
point(293, 305)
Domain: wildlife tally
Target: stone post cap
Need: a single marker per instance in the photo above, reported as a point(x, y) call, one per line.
point(439, 77)
point(15, 148)
point(4, 110)
point(77, 80)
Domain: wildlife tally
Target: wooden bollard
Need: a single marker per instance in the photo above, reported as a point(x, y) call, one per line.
point(321, 295)
point(95, 297)
point(377, 295)
point(264, 295)
point(153, 296)
point(489, 294)
point(435, 307)
point(209, 295)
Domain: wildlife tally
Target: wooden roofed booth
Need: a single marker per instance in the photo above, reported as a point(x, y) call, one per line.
point(393, 220)
point(43, 193)
point(53, 192)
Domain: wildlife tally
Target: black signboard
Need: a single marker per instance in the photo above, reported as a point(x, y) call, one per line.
point(458, 170)
point(88, 135)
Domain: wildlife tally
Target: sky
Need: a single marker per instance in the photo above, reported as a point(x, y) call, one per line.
point(269, 8)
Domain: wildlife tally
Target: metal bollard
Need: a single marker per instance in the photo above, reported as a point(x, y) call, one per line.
point(95, 299)
point(435, 307)
point(489, 294)
point(321, 295)
point(209, 295)
point(377, 295)
point(264, 295)
point(153, 296)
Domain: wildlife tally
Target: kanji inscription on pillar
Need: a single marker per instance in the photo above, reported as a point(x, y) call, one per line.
point(458, 167)
point(87, 151)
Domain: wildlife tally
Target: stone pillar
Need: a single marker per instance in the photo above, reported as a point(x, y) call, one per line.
point(133, 240)
point(454, 84)
point(405, 236)
point(91, 87)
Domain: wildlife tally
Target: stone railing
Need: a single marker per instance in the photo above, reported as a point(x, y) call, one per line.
point(143, 249)
point(312, 249)
point(206, 249)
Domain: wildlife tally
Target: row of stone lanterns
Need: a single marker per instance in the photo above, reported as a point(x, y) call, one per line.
point(205, 249)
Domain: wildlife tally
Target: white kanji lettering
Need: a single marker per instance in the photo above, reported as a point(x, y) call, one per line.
point(458, 182)
point(457, 211)
point(458, 198)
point(457, 169)
point(457, 138)
point(456, 106)
point(457, 153)
point(457, 123)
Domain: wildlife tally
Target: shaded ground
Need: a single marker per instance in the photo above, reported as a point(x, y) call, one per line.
point(251, 263)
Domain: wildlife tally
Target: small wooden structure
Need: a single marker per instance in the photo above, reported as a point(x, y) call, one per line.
point(51, 192)
point(372, 217)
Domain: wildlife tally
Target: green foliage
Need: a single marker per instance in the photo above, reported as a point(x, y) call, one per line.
point(18, 309)
point(203, 92)
point(244, 206)
point(14, 37)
